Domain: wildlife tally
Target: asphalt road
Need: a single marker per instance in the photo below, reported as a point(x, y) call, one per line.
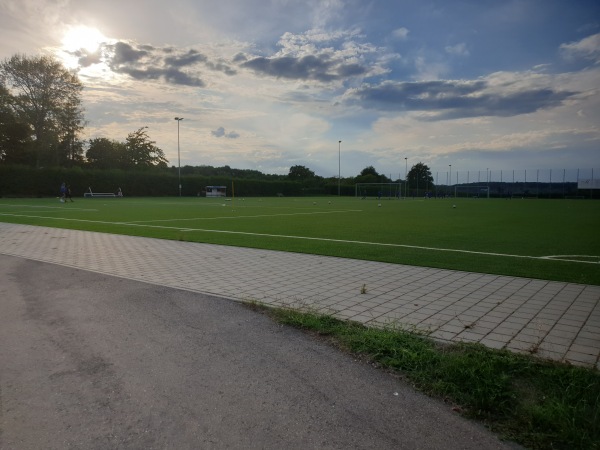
point(91, 361)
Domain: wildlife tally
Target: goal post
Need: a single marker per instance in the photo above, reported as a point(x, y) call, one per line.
point(471, 191)
point(378, 190)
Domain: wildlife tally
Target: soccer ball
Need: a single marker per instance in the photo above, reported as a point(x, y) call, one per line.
point(379, 205)
point(454, 206)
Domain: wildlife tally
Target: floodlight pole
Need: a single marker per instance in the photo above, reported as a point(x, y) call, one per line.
point(450, 179)
point(178, 119)
point(405, 178)
point(339, 166)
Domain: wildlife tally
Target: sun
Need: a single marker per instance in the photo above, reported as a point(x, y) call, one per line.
point(82, 37)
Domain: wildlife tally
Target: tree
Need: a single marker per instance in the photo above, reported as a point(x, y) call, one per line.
point(105, 153)
point(419, 177)
point(141, 151)
point(47, 97)
point(300, 173)
point(370, 175)
point(370, 170)
point(15, 142)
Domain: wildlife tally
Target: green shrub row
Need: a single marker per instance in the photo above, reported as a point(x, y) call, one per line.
point(22, 181)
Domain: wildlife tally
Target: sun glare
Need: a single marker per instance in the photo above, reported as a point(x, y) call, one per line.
point(82, 37)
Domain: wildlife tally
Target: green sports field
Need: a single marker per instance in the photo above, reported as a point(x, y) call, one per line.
point(546, 239)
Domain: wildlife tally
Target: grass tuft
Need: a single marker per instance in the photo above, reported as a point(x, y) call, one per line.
point(539, 404)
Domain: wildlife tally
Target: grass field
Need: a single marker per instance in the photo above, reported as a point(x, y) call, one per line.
point(545, 239)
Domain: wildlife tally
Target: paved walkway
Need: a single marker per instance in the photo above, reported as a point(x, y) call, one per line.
point(551, 319)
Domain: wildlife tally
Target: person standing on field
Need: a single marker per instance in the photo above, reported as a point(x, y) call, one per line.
point(68, 193)
point(63, 192)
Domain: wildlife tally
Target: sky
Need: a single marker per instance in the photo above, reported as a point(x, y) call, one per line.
point(269, 84)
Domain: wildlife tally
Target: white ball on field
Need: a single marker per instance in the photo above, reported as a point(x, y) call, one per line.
point(454, 206)
point(379, 205)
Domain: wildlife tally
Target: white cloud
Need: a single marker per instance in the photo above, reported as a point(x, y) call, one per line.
point(457, 50)
point(401, 33)
point(568, 130)
point(587, 48)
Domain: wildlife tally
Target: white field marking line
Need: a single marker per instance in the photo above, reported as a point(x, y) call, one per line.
point(344, 241)
point(564, 258)
point(247, 217)
point(214, 205)
point(59, 208)
point(169, 204)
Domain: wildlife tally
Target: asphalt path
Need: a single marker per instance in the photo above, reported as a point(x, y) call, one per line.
point(92, 361)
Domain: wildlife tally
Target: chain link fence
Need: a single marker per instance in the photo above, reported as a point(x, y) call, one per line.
point(521, 183)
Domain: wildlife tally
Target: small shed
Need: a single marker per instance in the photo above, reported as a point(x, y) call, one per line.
point(216, 191)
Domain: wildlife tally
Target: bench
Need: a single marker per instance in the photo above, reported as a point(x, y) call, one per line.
point(99, 194)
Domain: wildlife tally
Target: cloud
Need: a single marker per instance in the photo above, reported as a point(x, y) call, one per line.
point(401, 33)
point(457, 50)
point(220, 132)
point(587, 48)
point(124, 53)
point(452, 99)
point(146, 62)
point(190, 58)
point(310, 67)
point(317, 55)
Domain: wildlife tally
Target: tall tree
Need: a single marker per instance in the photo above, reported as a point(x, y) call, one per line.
point(370, 175)
point(300, 173)
point(141, 151)
point(104, 153)
point(48, 98)
point(370, 170)
point(419, 177)
point(15, 143)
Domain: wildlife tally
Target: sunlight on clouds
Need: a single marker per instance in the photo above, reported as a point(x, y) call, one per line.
point(82, 37)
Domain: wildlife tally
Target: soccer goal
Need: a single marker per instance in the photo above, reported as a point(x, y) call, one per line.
point(471, 191)
point(378, 190)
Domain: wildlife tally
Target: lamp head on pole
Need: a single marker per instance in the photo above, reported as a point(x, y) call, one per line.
point(178, 118)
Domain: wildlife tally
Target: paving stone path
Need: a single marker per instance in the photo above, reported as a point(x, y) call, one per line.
point(551, 319)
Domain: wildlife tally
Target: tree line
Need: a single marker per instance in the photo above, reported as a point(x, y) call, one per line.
point(42, 120)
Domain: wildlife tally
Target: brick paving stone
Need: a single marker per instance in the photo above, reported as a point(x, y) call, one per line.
point(581, 358)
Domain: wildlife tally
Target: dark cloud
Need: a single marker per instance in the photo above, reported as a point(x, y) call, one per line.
point(86, 59)
point(145, 62)
point(187, 59)
point(220, 132)
point(126, 54)
point(240, 57)
point(221, 67)
point(310, 67)
point(456, 99)
point(170, 75)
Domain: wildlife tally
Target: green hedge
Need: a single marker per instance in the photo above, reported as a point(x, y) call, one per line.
point(22, 181)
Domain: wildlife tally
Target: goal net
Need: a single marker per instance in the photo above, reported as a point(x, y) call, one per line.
point(471, 191)
point(378, 190)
